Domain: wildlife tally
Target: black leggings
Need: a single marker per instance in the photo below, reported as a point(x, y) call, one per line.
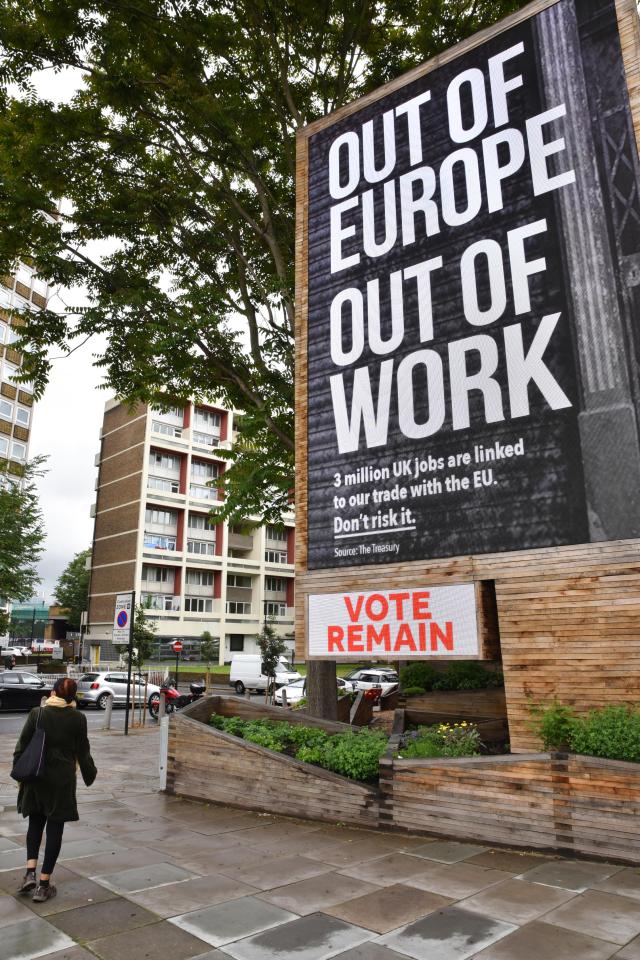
point(55, 828)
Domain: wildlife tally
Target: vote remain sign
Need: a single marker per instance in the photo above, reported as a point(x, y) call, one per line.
point(413, 622)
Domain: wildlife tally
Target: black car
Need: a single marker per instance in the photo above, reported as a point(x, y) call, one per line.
point(21, 691)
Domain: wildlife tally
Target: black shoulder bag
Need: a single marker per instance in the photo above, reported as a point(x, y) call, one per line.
point(30, 764)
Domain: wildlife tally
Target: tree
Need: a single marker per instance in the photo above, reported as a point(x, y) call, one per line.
point(144, 631)
point(209, 650)
point(72, 588)
point(21, 534)
point(271, 648)
point(176, 156)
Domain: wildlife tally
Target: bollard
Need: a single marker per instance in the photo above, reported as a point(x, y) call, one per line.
point(108, 712)
point(247, 693)
point(162, 705)
point(284, 699)
point(145, 701)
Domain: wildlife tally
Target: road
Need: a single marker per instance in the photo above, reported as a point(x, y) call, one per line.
point(11, 723)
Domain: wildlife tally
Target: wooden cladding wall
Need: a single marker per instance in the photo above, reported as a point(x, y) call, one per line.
point(206, 764)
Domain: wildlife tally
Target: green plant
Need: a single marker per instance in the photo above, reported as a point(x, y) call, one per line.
point(554, 725)
point(441, 740)
point(417, 675)
point(612, 732)
point(413, 691)
point(468, 675)
point(356, 755)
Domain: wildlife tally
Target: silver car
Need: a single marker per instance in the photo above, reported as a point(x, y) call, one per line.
point(94, 688)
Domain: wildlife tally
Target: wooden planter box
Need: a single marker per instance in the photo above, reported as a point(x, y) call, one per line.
point(546, 801)
point(461, 703)
point(207, 764)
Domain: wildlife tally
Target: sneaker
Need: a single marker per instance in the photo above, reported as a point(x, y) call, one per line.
point(28, 883)
point(43, 894)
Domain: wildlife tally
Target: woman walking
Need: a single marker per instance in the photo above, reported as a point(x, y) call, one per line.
point(50, 801)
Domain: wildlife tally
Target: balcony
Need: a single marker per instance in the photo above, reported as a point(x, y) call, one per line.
point(240, 541)
point(207, 441)
point(161, 602)
point(163, 484)
point(157, 586)
point(155, 541)
point(199, 492)
point(166, 429)
point(238, 608)
point(199, 589)
point(201, 549)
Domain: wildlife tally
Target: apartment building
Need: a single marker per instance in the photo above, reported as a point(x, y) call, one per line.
point(153, 534)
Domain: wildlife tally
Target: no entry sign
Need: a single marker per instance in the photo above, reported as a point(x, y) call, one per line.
point(176, 646)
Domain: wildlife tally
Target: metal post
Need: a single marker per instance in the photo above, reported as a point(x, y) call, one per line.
point(145, 701)
point(130, 648)
point(108, 712)
point(177, 659)
point(162, 706)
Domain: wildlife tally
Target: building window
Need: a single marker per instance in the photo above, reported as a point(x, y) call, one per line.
point(165, 518)
point(207, 419)
point(202, 493)
point(236, 644)
point(203, 470)
point(4, 445)
point(6, 410)
point(156, 574)
point(198, 605)
point(23, 416)
point(202, 578)
point(275, 584)
point(158, 542)
point(165, 460)
point(236, 580)
point(275, 556)
point(238, 607)
point(160, 601)
point(276, 534)
point(18, 451)
point(3, 331)
point(167, 486)
point(203, 548)
point(200, 521)
point(274, 609)
point(205, 439)
point(167, 429)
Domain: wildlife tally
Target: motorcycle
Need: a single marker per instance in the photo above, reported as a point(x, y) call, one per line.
point(174, 700)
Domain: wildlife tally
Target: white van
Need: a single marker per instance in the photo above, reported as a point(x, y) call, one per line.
point(246, 673)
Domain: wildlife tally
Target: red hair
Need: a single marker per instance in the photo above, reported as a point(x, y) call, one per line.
point(66, 688)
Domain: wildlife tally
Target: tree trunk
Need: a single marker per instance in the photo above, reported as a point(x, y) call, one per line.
point(322, 690)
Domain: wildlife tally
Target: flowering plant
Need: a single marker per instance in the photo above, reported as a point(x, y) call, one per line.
point(442, 740)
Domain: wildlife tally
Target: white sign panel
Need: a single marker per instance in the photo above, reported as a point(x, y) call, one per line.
point(402, 623)
point(122, 618)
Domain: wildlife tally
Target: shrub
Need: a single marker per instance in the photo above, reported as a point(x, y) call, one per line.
point(355, 755)
point(612, 732)
point(554, 725)
point(414, 691)
point(417, 675)
point(441, 740)
point(468, 675)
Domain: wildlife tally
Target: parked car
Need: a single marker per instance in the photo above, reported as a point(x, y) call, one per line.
point(246, 673)
point(296, 690)
point(368, 678)
point(22, 691)
point(94, 689)
point(13, 652)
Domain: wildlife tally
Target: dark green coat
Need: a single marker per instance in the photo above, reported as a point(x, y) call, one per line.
point(66, 744)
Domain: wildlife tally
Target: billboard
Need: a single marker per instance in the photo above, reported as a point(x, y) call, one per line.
point(416, 622)
point(471, 289)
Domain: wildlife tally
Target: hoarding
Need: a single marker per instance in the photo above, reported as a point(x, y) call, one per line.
point(416, 622)
point(472, 239)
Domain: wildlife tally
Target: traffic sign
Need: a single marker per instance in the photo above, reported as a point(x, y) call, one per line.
point(122, 618)
point(177, 646)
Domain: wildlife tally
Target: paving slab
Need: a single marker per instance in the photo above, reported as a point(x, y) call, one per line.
point(266, 874)
point(12, 912)
point(315, 937)
point(448, 934)
point(143, 878)
point(33, 938)
point(230, 921)
point(626, 883)
point(102, 919)
point(511, 861)
point(153, 941)
point(74, 849)
point(630, 952)
point(10, 859)
point(10, 880)
point(73, 892)
point(370, 951)
point(71, 953)
point(316, 893)
point(542, 941)
point(576, 875)
point(176, 898)
point(8, 844)
point(598, 914)
point(517, 901)
point(456, 880)
point(386, 870)
point(113, 862)
point(348, 852)
point(447, 851)
point(387, 908)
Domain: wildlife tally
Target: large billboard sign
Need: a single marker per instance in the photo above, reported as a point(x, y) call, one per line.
point(470, 235)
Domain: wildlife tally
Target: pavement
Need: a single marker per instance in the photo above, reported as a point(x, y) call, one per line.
point(147, 875)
